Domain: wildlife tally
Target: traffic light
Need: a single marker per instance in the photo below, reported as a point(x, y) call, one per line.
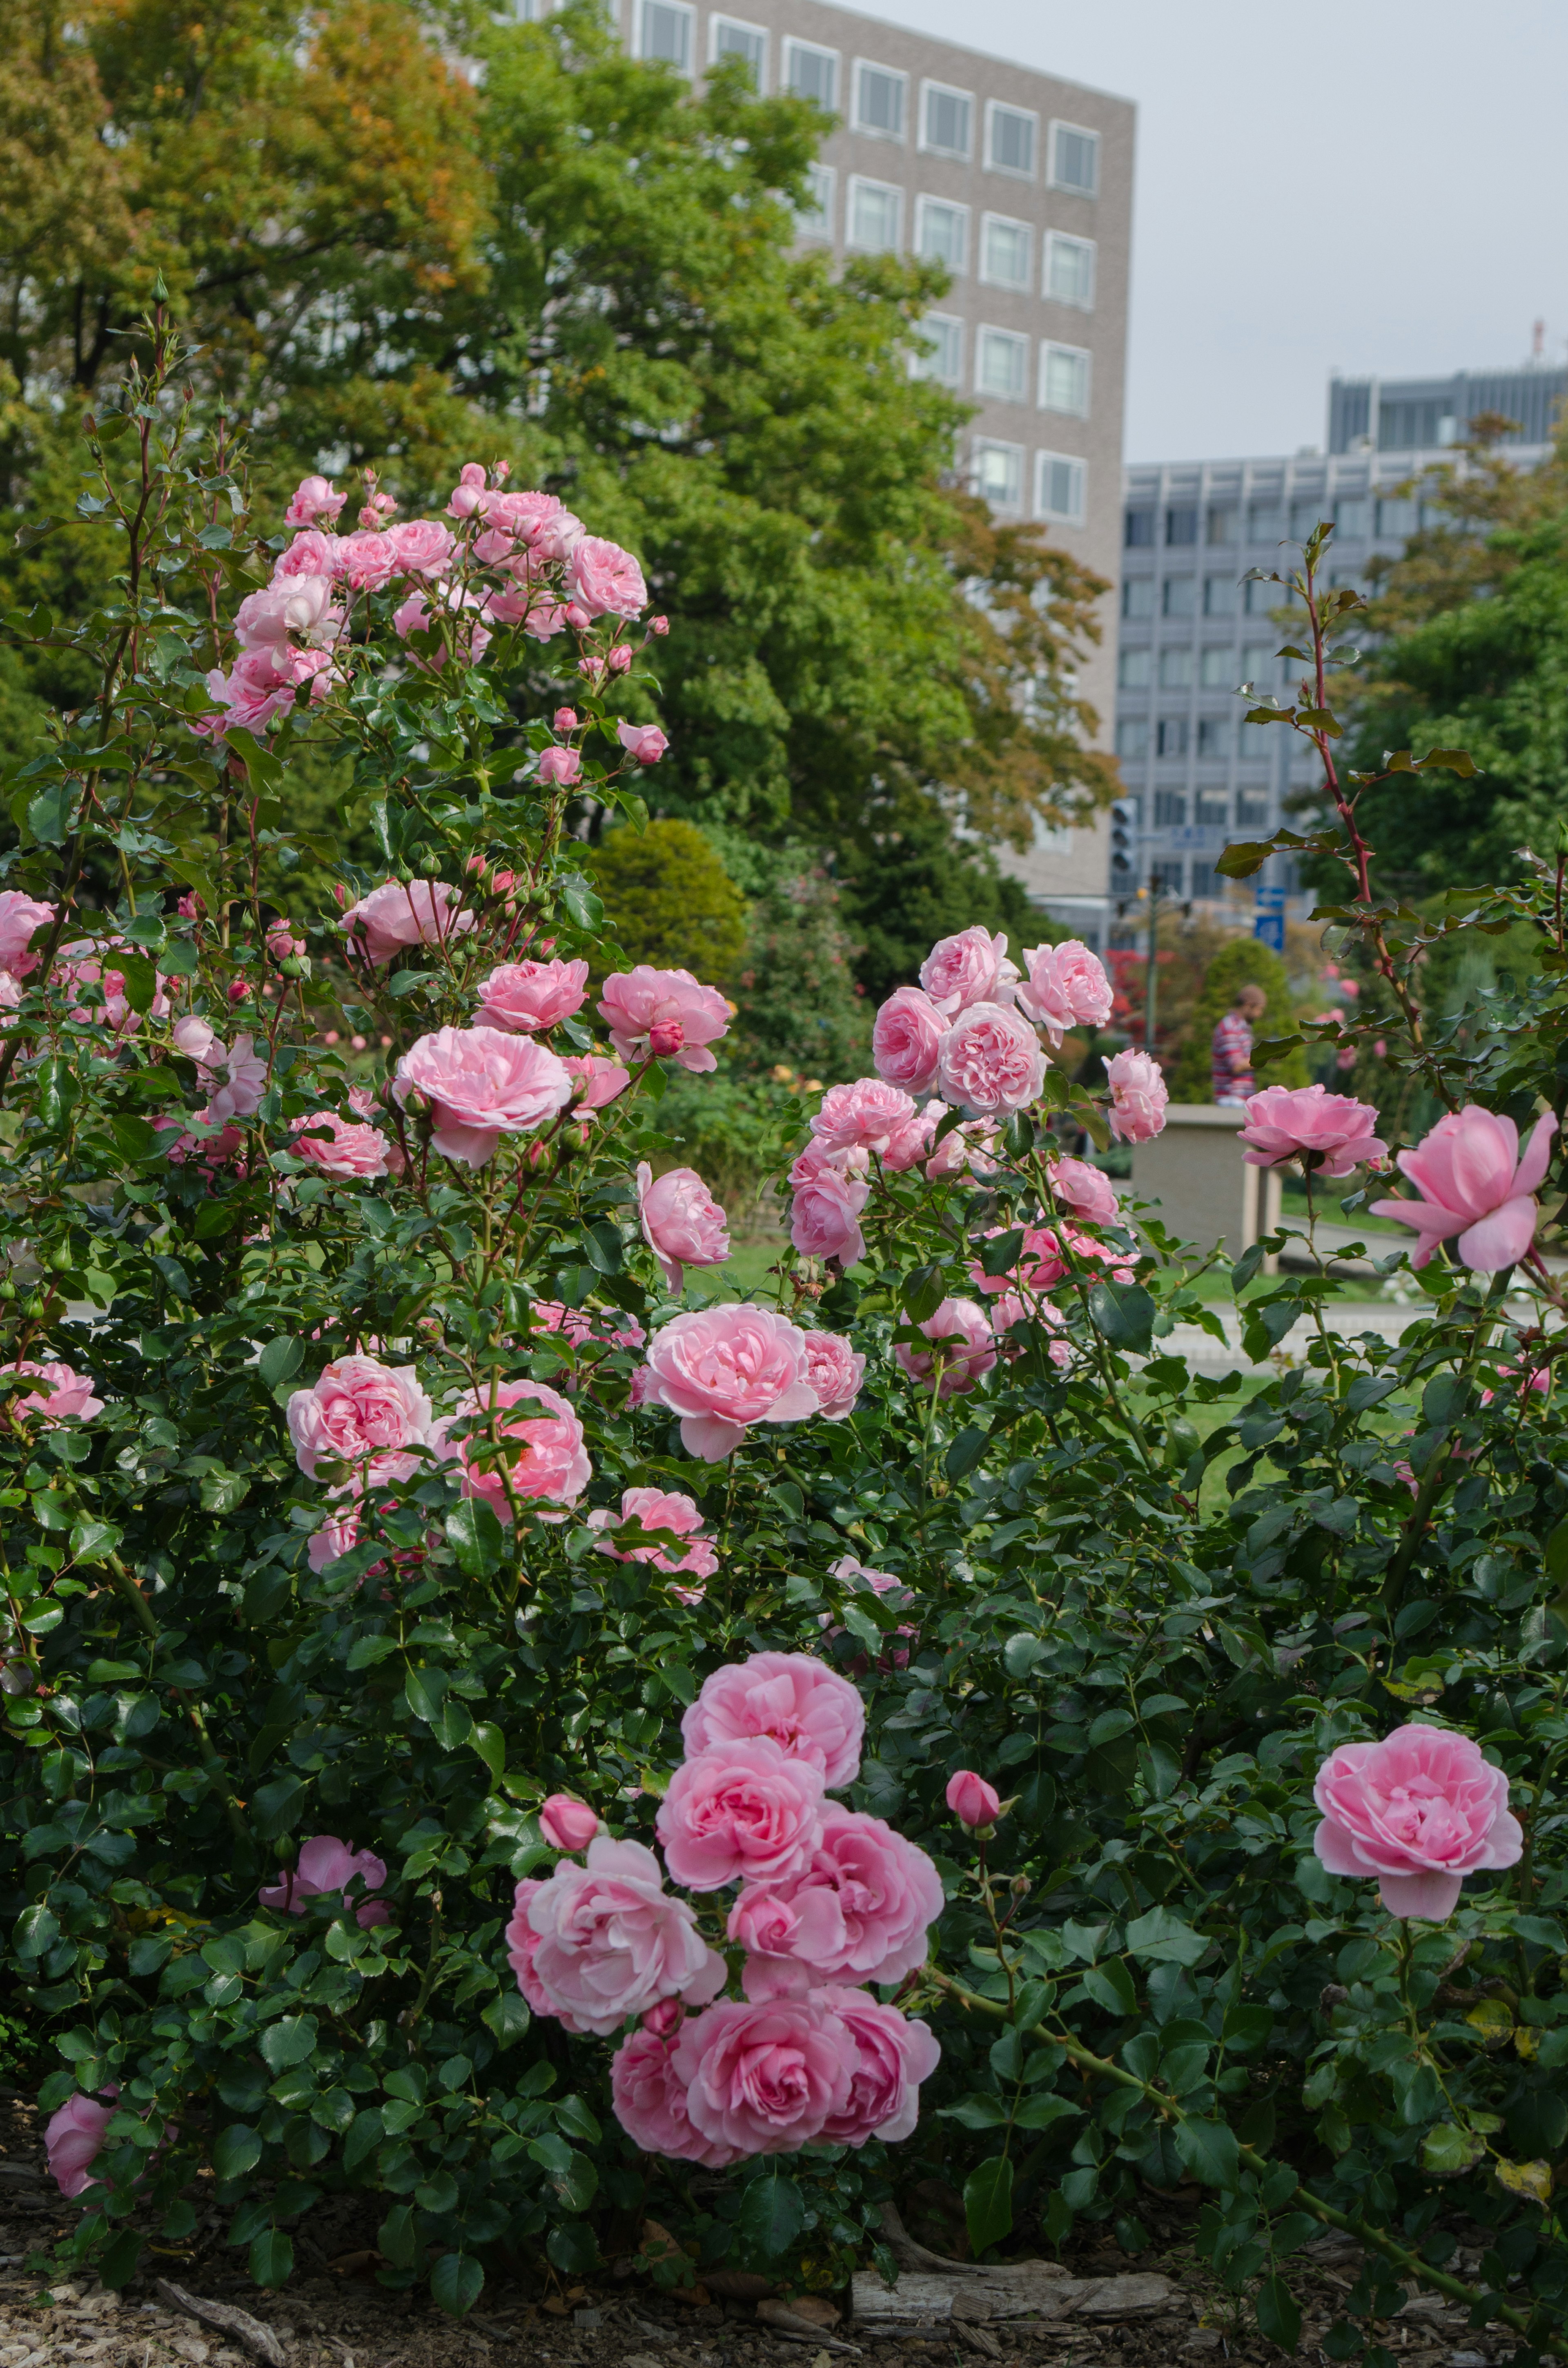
point(1124, 847)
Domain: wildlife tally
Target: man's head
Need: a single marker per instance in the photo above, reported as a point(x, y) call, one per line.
point(1251, 1001)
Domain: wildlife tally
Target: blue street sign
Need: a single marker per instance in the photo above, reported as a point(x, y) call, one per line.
point(1268, 923)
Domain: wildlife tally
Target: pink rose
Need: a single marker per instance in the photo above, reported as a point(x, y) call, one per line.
point(863, 1116)
point(292, 604)
point(566, 1823)
point(991, 1062)
point(325, 1865)
point(1040, 1264)
point(913, 1143)
point(421, 547)
point(1475, 1185)
point(664, 1012)
point(721, 1369)
point(260, 686)
point(309, 554)
point(522, 1947)
point(612, 1942)
point(862, 1904)
point(682, 1222)
point(1420, 1811)
point(797, 1703)
point(596, 1082)
point(61, 1394)
point(968, 968)
point(894, 2057)
point(1538, 1379)
point(552, 1466)
point(235, 1090)
point(423, 912)
point(339, 1536)
point(765, 2077)
point(836, 1372)
point(1138, 1096)
point(966, 1147)
point(1328, 1132)
point(644, 742)
point(825, 1217)
point(523, 997)
point(660, 1509)
point(1084, 1192)
point(21, 918)
point(650, 2099)
point(560, 767)
point(972, 1801)
point(478, 1085)
point(604, 580)
point(1065, 986)
point(314, 498)
point(337, 1147)
point(906, 1039)
point(1011, 1310)
point(962, 1349)
point(362, 1413)
point(73, 2139)
point(742, 1811)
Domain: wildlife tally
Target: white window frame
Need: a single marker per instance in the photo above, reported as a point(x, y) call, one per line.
point(676, 8)
point(816, 50)
point(874, 130)
point(1049, 345)
point(1006, 221)
point(742, 25)
point(1052, 240)
point(828, 174)
point(857, 182)
point(1084, 131)
point(920, 366)
point(999, 444)
point(994, 107)
point(1014, 338)
point(1042, 463)
point(946, 90)
point(952, 206)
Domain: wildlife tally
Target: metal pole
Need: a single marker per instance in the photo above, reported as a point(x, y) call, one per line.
point(1150, 987)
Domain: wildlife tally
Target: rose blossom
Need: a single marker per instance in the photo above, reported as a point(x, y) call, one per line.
point(893, 2056)
point(480, 1084)
point(1536, 1378)
point(650, 2102)
point(566, 1823)
point(906, 1038)
point(612, 1942)
point(425, 911)
point(741, 1810)
point(861, 1117)
point(836, 1372)
point(61, 1394)
point(1038, 1266)
point(972, 1801)
point(644, 742)
point(825, 1217)
point(309, 554)
point(526, 995)
point(421, 547)
point(660, 1509)
point(1065, 986)
point(961, 1349)
point(806, 1708)
point(963, 1148)
point(682, 1222)
point(552, 1466)
point(1328, 1132)
point(337, 1147)
point(991, 1062)
point(861, 1907)
point(1475, 1185)
point(1083, 1190)
point(666, 1011)
point(913, 1143)
point(765, 2077)
point(596, 1082)
point(522, 1947)
point(325, 1865)
point(1420, 1811)
point(73, 2139)
point(314, 498)
point(21, 918)
point(721, 1369)
point(237, 1091)
point(604, 580)
point(363, 1412)
point(1137, 1097)
point(560, 767)
point(965, 969)
point(338, 1535)
point(294, 604)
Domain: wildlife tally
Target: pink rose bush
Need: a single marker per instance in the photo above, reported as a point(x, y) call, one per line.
point(682, 1224)
point(836, 1371)
point(61, 1395)
point(567, 1824)
point(970, 968)
point(972, 1801)
point(991, 1062)
point(858, 1911)
point(962, 1349)
point(661, 1508)
point(327, 1866)
point(393, 917)
point(861, 1117)
point(1418, 1812)
point(811, 1711)
point(1063, 986)
point(480, 1083)
point(1329, 1133)
point(21, 918)
point(724, 1369)
point(340, 1146)
point(1476, 1189)
point(1084, 1192)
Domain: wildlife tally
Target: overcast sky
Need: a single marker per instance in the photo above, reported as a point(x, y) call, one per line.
point(1379, 187)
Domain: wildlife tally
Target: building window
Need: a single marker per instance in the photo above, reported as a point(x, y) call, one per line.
point(1009, 139)
point(1061, 488)
point(1075, 159)
point(1004, 249)
point(1255, 740)
point(1177, 595)
point(1175, 670)
point(665, 33)
point(999, 475)
point(1397, 515)
point(1265, 522)
point(1257, 663)
point(1064, 379)
point(1306, 516)
point(1001, 365)
point(1224, 523)
point(1165, 875)
point(1170, 809)
point(1251, 807)
point(1214, 738)
point(1213, 810)
point(1181, 527)
point(1208, 885)
point(1070, 270)
point(1138, 530)
point(941, 233)
point(1132, 670)
point(946, 118)
point(1133, 736)
point(876, 215)
point(1217, 667)
point(1218, 595)
point(945, 360)
point(728, 36)
point(1263, 597)
point(814, 218)
point(1353, 517)
point(878, 100)
point(1138, 596)
point(1171, 735)
point(811, 72)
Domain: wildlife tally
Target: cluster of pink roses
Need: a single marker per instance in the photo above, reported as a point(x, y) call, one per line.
point(828, 1901)
point(726, 1368)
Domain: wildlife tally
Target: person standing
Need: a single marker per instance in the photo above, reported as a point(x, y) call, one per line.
point(1229, 1058)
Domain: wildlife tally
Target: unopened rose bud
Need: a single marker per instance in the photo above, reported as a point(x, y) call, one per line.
point(972, 1801)
point(664, 1036)
point(564, 720)
point(566, 1823)
point(593, 668)
point(658, 624)
point(619, 658)
point(1020, 1886)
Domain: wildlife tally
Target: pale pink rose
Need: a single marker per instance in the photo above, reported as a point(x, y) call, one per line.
point(682, 1222)
point(1084, 1192)
point(309, 554)
point(236, 1090)
point(862, 1904)
point(281, 942)
point(765, 2077)
point(836, 1371)
point(421, 547)
point(894, 2056)
point(965, 1148)
point(339, 1147)
point(742, 1811)
point(314, 498)
point(604, 580)
point(1475, 1185)
point(537, 1453)
point(292, 604)
point(962, 1349)
point(972, 1801)
point(1041, 1265)
point(613, 1942)
point(1011, 1309)
point(1138, 1096)
point(199, 1041)
point(73, 2139)
point(10, 996)
point(968, 968)
point(807, 1709)
point(522, 1947)
point(324, 1866)
point(559, 767)
point(663, 1012)
point(721, 1369)
point(907, 1040)
point(362, 1413)
point(650, 2101)
point(480, 1083)
point(566, 1823)
point(660, 1509)
point(1064, 986)
point(596, 1082)
point(1085, 1245)
point(21, 918)
point(1345, 1057)
point(1420, 1811)
point(862, 1116)
point(991, 1062)
point(1328, 1132)
point(911, 1144)
point(422, 912)
point(260, 686)
point(644, 742)
point(365, 562)
point(523, 997)
point(813, 1161)
point(338, 1534)
point(61, 1394)
point(825, 1217)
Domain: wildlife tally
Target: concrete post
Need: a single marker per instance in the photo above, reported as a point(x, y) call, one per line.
point(1203, 1189)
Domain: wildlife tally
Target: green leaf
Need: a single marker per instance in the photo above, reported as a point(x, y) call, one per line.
point(1279, 2313)
point(272, 2258)
point(290, 2039)
point(586, 908)
point(280, 1357)
point(1164, 1939)
point(275, 1809)
point(1244, 857)
point(508, 2015)
point(772, 2216)
point(1110, 1986)
point(396, 2237)
point(90, 1542)
point(966, 1451)
point(577, 2121)
point(1208, 2151)
point(976, 2113)
point(988, 2203)
point(491, 1744)
point(35, 1931)
point(1040, 2112)
point(116, 2265)
point(922, 1289)
point(223, 1492)
point(456, 2283)
point(136, 1139)
point(476, 1538)
point(235, 2149)
point(1125, 1312)
point(1447, 2150)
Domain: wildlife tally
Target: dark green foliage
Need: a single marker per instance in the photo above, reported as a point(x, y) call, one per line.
point(802, 1005)
point(917, 886)
point(669, 900)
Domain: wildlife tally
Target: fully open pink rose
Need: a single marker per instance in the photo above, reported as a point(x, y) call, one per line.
point(613, 1942)
point(1084, 1192)
point(60, 1394)
point(682, 1222)
point(962, 1349)
point(309, 554)
point(893, 2056)
point(911, 1144)
point(522, 1947)
point(861, 1907)
point(1064, 986)
point(325, 1865)
point(972, 1801)
point(824, 1216)
point(1474, 1184)
point(836, 1371)
point(540, 1459)
point(1420, 1811)
point(421, 547)
point(991, 1062)
point(722, 1369)
point(906, 1039)
point(664, 1013)
point(480, 1083)
point(526, 995)
point(765, 2077)
point(422, 912)
point(862, 1116)
point(740, 1812)
point(338, 1535)
point(560, 767)
point(362, 1413)
point(806, 1708)
point(365, 562)
point(661, 1508)
point(650, 2101)
point(339, 1147)
point(293, 603)
point(965, 969)
point(21, 918)
point(566, 1823)
point(73, 2139)
point(645, 743)
point(1138, 1096)
point(1330, 1133)
point(604, 580)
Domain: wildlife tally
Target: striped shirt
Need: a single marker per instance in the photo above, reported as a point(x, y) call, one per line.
point(1231, 1058)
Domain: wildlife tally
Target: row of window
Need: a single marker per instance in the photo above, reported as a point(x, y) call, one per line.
point(1060, 482)
point(879, 98)
point(1269, 521)
point(1002, 366)
point(1172, 736)
point(1178, 596)
point(1220, 668)
point(1170, 875)
point(874, 221)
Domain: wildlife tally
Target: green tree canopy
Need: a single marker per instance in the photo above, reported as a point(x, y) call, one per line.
point(1245, 961)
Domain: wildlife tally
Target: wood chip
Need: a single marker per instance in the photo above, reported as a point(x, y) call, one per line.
point(228, 2319)
point(779, 2319)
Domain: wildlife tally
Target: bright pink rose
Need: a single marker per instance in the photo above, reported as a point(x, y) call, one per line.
point(523, 997)
point(421, 547)
point(836, 1372)
point(962, 1349)
point(73, 2139)
point(991, 1062)
point(644, 742)
point(825, 1217)
point(604, 580)
point(807, 1709)
point(664, 1012)
point(1473, 1184)
point(1329, 1133)
point(1065, 986)
point(566, 1823)
point(552, 1466)
point(1138, 1096)
point(314, 499)
point(560, 766)
point(596, 1082)
point(724, 1368)
point(478, 1085)
point(660, 1509)
point(863, 1906)
point(861, 1117)
point(764, 2079)
point(906, 1040)
point(325, 1865)
point(61, 1394)
point(612, 1942)
point(1420, 1811)
point(966, 969)
point(742, 1811)
point(895, 2056)
point(362, 1413)
point(423, 912)
point(260, 686)
point(337, 1147)
point(682, 1222)
point(1084, 1192)
point(972, 1801)
point(650, 2099)
point(21, 918)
